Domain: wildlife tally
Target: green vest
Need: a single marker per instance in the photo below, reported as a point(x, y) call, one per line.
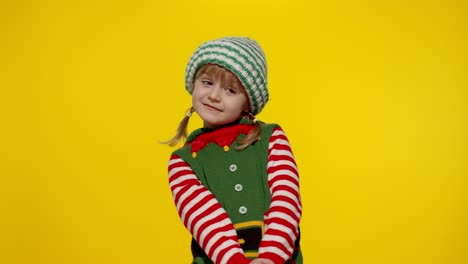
point(239, 181)
point(238, 178)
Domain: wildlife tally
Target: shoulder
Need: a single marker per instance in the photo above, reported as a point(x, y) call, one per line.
point(271, 128)
point(186, 148)
point(182, 152)
point(275, 134)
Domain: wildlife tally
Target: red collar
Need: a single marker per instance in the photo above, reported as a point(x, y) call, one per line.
point(223, 136)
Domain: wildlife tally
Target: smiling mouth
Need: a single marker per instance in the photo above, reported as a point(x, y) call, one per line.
point(212, 107)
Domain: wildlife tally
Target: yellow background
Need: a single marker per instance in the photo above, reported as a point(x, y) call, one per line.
point(372, 94)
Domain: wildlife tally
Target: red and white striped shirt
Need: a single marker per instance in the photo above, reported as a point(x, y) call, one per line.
point(209, 223)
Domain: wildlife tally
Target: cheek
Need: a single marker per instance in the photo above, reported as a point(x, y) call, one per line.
point(195, 95)
point(240, 107)
point(195, 102)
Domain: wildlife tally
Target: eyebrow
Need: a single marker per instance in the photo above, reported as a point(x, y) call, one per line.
point(204, 75)
point(232, 85)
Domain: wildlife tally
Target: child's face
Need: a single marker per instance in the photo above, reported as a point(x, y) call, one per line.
point(218, 103)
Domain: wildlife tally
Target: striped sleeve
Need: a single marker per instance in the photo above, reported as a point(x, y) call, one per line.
point(203, 216)
point(283, 216)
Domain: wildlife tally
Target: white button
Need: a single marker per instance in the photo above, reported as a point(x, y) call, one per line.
point(243, 210)
point(238, 187)
point(233, 167)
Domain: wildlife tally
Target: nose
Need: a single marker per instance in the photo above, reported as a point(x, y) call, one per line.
point(215, 93)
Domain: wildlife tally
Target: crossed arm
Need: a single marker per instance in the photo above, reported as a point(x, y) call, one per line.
point(210, 225)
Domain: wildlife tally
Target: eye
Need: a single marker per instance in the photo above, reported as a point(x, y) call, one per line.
point(230, 90)
point(206, 82)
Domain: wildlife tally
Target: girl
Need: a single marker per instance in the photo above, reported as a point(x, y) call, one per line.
point(235, 182)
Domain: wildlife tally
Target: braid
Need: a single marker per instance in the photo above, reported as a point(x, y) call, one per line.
point(253, 135)
point(181, 133)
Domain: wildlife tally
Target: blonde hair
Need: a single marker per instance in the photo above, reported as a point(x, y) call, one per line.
point(228, 78)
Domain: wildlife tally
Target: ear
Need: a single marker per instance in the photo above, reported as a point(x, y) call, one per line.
point(246, 108)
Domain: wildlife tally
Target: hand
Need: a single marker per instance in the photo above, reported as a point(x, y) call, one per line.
point(261, 261)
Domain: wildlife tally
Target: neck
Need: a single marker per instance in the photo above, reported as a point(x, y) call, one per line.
point(222, 126)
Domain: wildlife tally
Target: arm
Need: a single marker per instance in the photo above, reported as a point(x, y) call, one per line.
point(203, 216)
point(282, 219)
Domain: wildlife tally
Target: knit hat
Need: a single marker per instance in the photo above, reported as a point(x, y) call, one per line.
point(240, 55)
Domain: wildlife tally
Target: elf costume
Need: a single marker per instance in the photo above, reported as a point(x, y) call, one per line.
point(238, 204)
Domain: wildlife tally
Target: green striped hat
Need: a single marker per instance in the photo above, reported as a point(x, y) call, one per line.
point(240, 55)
